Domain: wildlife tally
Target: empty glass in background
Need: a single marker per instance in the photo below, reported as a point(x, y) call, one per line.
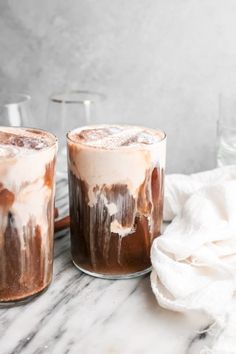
point(67, 111)
point(226, 130)
point(15, 110)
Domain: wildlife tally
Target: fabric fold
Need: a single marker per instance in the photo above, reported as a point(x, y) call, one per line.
point(194, 261)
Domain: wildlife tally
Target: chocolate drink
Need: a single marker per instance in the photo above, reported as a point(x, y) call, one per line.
point(27, 164)
point(116, 176)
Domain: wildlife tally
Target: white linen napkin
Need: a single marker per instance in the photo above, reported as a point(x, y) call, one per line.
point(194, 261)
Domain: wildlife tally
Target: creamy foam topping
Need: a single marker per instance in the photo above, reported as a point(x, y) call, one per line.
point(14, 141)
point(115, 136)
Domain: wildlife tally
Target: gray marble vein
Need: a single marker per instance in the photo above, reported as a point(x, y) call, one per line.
point(81, 314)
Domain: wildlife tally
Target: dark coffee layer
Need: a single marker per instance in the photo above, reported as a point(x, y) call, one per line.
point(94, 247)
point(23, 270)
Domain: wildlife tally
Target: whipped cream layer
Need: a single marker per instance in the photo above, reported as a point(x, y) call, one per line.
point(116, 136)
point(26, 139)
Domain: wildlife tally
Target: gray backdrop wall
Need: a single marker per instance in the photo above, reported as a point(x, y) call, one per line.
point(161, 63)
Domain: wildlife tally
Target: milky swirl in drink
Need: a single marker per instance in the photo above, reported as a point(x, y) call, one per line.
point(100, 149)
point(119, 174)
point(27, 162)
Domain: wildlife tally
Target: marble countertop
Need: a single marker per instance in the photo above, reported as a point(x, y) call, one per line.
point(81, 314)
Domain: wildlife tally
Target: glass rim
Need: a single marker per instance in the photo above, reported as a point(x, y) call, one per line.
point(128, 147)
point(13, 98)
point(60, 97)
point(34, 151)
point(222, 125)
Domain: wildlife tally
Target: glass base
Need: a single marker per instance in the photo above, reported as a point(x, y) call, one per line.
point(24, 301)
point(113, 276)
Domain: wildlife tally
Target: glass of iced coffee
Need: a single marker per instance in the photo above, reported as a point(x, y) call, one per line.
point(27, 187)
point(116, 176)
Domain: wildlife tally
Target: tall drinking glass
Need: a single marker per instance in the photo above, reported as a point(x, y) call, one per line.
point(27, 188)
point(226, 130)
point(116, 176)
point(67, 111)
